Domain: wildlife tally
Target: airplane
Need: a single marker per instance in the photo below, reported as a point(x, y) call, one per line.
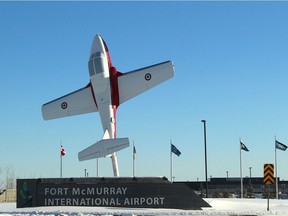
point(107, 89)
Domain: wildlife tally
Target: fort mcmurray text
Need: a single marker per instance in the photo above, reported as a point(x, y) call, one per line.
point(96, 196)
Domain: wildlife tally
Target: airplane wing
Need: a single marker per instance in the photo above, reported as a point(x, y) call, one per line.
point(135, 82)
point(75, 103)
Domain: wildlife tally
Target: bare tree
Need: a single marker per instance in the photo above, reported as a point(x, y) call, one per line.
point(10, 178)
point(1, 180)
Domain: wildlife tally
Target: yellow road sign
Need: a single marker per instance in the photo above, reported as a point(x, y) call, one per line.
point(268, 174)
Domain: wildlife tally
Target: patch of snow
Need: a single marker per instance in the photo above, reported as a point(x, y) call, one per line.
point(228, 207)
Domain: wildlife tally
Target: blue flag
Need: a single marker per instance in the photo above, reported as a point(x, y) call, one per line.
point(243, 147)
point(280, 145)
point(175, 150)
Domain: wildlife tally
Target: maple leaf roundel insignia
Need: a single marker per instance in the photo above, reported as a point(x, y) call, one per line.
point(64, 105)
point(148, 76)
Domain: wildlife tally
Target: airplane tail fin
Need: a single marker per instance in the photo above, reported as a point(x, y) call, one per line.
point(103, 148)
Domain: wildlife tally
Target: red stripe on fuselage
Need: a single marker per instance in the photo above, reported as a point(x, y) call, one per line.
point(114, 74)
point(108, 54)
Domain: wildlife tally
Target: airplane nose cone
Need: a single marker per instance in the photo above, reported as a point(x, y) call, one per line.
point(97, 45)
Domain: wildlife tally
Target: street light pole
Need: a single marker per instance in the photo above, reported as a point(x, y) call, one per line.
point(250, 174)
point(205, 149)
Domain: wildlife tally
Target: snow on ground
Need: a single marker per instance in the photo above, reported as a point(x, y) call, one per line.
point(231, 207)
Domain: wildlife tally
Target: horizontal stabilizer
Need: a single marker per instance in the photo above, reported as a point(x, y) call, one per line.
point(103, 148)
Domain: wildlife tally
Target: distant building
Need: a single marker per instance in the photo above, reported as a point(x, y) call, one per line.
point(230, 187)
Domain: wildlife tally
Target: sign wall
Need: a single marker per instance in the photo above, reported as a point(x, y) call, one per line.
point(113, 193)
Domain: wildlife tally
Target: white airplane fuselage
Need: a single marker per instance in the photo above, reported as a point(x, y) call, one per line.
point(102, 76)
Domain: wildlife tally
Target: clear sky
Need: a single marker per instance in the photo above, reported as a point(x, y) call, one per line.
point(231, 69)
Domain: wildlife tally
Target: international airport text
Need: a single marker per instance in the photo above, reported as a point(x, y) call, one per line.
point(96, 196)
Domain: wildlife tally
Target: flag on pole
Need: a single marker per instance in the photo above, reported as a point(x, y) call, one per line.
point(280, 145)
point(62, 152)
point(134, 152)
point(243, 147)
point(175, 150)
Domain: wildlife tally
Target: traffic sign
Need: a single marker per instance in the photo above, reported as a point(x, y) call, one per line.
point(268, 174)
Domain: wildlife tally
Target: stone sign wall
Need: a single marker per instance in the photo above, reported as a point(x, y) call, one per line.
point(113, 192)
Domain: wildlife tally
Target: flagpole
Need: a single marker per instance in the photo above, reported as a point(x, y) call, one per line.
point(97, 167)
point(60, 159)
point(241, 179)
point(205, 155)
point(133, 159)
point(171, 160)
point(276, 186)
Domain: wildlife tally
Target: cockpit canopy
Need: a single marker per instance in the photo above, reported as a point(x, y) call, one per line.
point(96, 63)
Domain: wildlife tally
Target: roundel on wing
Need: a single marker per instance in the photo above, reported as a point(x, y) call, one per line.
point(148, 76)
point(64, 105)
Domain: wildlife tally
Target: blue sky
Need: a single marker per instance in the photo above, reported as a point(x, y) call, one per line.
point(231, 68)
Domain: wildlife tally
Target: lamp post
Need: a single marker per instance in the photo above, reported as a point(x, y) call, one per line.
point(205, 149)
point(250, 173)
